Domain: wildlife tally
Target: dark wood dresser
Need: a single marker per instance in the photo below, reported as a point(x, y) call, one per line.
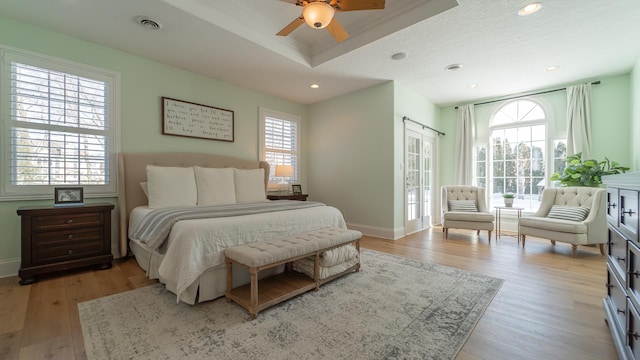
point(61, 238)
point(622, 303)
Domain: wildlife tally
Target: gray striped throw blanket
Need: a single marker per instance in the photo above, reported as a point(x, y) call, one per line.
point(154, 229)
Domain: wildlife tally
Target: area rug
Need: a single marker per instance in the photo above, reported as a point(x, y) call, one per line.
point(395, 308)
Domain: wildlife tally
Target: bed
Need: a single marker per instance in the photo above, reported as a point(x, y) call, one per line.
point(190, 259)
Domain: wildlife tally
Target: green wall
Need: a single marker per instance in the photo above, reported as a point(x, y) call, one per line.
point(611, 126)
point(351, 157)
point(635, 116)
point(143, 83)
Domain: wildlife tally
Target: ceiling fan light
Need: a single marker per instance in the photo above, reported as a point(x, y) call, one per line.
point(318, 14)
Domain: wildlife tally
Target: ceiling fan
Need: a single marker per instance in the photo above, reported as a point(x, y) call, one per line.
point(319, 14)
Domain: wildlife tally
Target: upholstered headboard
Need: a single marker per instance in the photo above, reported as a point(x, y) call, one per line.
point(132, 171)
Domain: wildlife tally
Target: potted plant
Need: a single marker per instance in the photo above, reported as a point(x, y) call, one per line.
point(508, 199)
point(587, 172)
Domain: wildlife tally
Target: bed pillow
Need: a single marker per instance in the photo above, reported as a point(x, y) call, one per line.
point(572, 213)
point(249, 185)
point(463, 205)
point(215, 186)
point(171, 186)
point(145, 189)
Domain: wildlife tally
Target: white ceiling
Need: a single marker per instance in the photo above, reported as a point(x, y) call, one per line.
point(235, 41)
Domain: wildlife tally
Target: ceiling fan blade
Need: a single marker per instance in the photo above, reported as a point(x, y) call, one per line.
point(337, 31)
point(292, 26)
point(352, 5)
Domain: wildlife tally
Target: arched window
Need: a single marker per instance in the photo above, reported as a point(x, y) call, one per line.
point(517, 153)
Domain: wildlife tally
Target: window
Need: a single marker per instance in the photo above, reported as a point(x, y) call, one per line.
point(517, 154)
point(59, 126)
point(279, 142)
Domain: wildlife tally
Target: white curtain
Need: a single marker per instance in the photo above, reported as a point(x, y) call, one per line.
point(464, 145)
point(579, 120)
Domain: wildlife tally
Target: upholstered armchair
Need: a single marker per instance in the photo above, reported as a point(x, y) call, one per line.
point(464, 207)
point(575, 215)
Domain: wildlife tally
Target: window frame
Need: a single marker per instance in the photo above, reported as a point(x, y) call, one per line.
point(264, 113)
point(550, 137)
point(10, 192)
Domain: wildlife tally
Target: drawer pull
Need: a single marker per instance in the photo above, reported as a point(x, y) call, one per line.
point(612, 205)
point(620, 311)
point(634, 334)
point(70, 252)
point(70, 221)
point(609, 286)
point(619, 258)
point(636, 273)
point(611, 243)
point(630, 212)
point(70, 237)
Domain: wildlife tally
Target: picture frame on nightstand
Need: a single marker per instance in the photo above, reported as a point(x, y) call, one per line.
point(297, 189)
point(68, 196)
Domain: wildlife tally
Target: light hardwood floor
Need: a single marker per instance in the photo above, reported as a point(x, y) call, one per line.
point(550, 306)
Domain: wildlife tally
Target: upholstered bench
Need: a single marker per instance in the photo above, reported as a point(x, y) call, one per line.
point(268, 254)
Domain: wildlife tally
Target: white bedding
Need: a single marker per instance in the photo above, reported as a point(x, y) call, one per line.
point(196, 245)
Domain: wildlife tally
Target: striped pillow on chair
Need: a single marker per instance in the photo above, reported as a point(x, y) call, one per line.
point(463, 205)
point(571, 213)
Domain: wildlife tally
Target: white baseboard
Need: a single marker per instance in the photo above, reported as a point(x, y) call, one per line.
point(390, 234)
point(9, 268)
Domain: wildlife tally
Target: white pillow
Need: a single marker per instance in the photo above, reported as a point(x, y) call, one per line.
point(143, 185)
point(215, 186)
point(171, 186)
point(249, 185)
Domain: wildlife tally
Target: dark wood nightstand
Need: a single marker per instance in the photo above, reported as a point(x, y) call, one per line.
point(289, 196)
point(61, 238)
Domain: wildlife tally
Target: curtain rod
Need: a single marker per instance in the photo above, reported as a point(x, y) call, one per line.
point(404, 118)
point(525, 95)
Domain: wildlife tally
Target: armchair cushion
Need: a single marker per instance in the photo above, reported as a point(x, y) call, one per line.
point(571, 213)
point(551, 224)
point(469, 216)
point(463, 205)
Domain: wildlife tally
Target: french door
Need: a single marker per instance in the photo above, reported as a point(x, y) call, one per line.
point(419, 161)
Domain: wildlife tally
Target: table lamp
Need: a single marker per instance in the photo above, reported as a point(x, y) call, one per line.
point(284, 171)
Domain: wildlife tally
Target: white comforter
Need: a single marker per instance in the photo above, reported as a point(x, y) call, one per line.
point(196, 245)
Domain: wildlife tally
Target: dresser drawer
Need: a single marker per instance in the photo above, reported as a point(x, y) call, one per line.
point(629, 214)
point(617, 246)
point(617, 299)
point(54, 222)
point(633, 334)
point(612, 206)
point(76, 235)
point(633, 274)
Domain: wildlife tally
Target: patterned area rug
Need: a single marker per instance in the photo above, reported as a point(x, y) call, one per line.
point(395, 308)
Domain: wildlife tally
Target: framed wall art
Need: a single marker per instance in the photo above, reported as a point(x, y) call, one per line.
point(183, 118)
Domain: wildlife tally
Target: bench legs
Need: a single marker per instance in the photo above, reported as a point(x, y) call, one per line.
point(253, 309)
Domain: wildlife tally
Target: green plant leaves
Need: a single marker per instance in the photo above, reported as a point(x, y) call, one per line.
point(588, 172)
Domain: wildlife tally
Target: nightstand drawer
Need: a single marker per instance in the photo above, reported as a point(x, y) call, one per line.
point(53, 252)
point(54, 222)
point(76, 235)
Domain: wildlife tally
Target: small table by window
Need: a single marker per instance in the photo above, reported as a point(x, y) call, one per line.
point(498, 215)
point(287, 196)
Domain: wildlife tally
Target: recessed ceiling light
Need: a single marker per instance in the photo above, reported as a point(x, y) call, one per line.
point(398, 56)
point(148, 23)
point(453, 67)
point(314, 86)
point(473, 86)
point(530, 8)
point(551, 68)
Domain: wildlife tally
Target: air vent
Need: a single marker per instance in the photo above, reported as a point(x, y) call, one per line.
point(148, 23)
point(453, 67)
